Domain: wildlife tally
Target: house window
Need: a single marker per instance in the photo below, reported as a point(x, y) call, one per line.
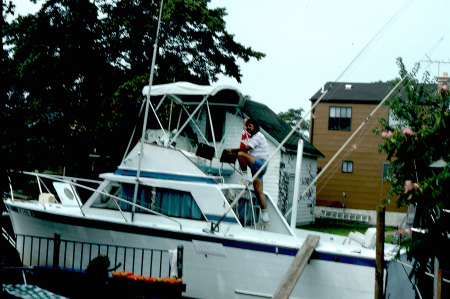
point(218, 117)
point(386, 165)
point(347, 166)
point(340, 118)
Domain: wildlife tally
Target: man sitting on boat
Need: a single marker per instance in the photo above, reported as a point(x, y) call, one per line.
point(254, 155)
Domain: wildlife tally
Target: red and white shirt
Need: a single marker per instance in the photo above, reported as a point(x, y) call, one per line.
point(259, 146)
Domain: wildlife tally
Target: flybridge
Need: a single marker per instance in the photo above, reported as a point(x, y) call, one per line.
point(186, 93)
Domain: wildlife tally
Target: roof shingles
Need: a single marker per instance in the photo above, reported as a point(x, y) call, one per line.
point(358, 92)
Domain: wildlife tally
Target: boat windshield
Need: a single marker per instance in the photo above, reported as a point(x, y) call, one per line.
point(247, 209)
point(169, 202)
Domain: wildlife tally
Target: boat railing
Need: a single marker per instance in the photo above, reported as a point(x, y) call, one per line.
point(76, 255)
point(74, 184)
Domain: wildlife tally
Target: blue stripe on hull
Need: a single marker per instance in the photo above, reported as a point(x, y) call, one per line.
point(181, 236)
point(217, 218)
point(164, 176)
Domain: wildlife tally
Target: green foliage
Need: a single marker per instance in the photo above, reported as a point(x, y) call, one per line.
point(72, 73)
point(420, 138)
point(292, 117)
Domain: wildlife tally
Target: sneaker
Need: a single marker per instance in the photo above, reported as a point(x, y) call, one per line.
point(265, 218)
point(245, 182)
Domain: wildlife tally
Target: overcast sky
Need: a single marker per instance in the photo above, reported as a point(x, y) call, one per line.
point(310, 42)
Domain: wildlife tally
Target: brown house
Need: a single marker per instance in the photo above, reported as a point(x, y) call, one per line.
point(352, 185)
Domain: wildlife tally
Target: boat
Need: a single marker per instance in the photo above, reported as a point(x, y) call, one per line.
point(162, 196)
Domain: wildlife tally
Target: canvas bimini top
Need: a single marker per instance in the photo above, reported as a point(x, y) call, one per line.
point(192, 94)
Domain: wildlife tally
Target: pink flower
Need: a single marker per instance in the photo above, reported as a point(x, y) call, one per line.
point(386, 134)
point(408, 131)
point(408, 186)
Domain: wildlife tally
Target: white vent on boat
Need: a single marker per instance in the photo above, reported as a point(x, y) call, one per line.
point(209, 248)
point(66, 195)
point(348, 86)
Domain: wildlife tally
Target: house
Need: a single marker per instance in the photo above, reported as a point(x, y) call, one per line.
point(354, 182)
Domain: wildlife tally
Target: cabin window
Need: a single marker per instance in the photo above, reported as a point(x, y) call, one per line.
point(386, 165)
point(347, 166)
point(340, 118)
point(218, 116)
point(169, 202)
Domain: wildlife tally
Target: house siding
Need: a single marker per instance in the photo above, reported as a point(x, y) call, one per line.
point(271, 178)
point(364, 187)
point(306, 205)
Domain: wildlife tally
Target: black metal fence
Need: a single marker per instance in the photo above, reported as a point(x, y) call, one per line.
point(74, 255)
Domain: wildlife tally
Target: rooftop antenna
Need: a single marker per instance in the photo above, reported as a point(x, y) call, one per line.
point(436, 61)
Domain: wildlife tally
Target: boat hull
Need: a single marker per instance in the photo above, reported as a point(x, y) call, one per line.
point(213, 266)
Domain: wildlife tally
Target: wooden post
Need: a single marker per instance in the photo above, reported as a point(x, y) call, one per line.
point(295, 270)
point(437, 279)
point(439, 285)
point(379, 262)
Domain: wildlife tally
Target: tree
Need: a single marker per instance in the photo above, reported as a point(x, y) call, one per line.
point(421, 138)
point(69, 66)
point(292, 117)
point(193, 45)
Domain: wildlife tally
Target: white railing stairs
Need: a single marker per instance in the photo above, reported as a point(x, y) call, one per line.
point(342, 215)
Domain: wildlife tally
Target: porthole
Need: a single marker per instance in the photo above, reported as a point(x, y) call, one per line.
point(68, 193)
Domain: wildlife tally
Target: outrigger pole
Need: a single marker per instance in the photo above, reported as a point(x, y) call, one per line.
point(144, 126)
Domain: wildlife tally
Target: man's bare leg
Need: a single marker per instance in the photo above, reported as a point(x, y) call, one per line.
point(258, 185)
point(245, 160)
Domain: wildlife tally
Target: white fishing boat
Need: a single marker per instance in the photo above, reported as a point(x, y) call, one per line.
point(183, 198)
point(164, 195)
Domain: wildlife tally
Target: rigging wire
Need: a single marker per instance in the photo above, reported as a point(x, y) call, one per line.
point(360, 139)
point(371, 44)
point(335, 167)
point(351, 137)
point(379, 35)
point(294, 129)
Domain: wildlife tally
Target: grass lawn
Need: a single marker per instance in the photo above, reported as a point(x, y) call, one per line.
point(342, 228)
